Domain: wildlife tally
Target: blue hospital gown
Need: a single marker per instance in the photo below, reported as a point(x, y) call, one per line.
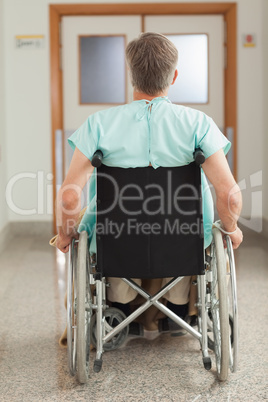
point(140, 133)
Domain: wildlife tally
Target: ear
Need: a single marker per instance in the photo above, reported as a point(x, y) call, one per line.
point(175, 76)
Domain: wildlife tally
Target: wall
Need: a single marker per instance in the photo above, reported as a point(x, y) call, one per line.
point(265, 114)
point(250, 111)
point(27, 108)
point(28, 136)
point(3, 208)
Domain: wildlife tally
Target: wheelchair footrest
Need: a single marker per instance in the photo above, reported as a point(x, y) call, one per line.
point(97, 365)
point(207, 363)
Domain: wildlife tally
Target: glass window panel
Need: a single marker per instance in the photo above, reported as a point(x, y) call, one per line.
point(102, 69)
point(191, 85)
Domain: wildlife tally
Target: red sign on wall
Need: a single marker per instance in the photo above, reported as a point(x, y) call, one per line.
point(249, 40)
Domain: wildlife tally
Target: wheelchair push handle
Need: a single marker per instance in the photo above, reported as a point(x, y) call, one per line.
point(199, 156)
point(97, 159)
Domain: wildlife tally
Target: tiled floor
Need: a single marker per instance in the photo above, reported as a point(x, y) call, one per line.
point(34, 368)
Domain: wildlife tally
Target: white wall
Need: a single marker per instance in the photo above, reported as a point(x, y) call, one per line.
point(250, 108)
point(28, 135)
point(265, 107)
point(3, 208)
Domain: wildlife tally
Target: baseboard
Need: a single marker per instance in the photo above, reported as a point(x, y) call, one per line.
point(35, 228)
point(265, 228)
point(257, 227)
point(17, 229)
point(5, 237)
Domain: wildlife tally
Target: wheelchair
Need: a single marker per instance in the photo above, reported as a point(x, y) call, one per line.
point(147, 254)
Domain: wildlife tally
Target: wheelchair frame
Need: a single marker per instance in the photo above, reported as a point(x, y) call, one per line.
point(107, 329)
point(213, 305)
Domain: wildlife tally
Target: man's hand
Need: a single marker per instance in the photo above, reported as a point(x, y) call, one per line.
point(236, 238)
point(228, 194)
point(69, 199)
point(63, 242)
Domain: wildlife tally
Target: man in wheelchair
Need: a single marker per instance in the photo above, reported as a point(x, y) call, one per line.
point(144, 137)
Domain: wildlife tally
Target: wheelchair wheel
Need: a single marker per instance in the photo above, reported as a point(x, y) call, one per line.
point(233, 309)
point(71, 313)
point(219, 306)
point(84, 309)
point(210, 330)
point(112, 317)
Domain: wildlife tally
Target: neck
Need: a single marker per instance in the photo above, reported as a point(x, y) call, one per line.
point(141, 95)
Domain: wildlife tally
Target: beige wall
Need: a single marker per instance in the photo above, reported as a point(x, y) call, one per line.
point(3, 208)
point(27, 99)
point(27, 104)
point(265, 110)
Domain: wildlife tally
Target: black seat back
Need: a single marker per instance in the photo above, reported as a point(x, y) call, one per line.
point(149, 222)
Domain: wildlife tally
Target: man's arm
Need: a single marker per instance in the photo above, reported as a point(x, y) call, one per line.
point(68, 203)
point(228, 194)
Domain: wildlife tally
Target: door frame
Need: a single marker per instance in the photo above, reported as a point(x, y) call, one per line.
point(57, 11)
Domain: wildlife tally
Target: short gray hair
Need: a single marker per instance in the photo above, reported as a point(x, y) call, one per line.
point(152, 59)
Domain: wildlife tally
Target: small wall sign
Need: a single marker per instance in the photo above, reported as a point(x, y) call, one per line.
point(29, 41)
point(249, 40)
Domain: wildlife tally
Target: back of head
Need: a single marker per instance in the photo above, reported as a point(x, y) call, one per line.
point(152, 59)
